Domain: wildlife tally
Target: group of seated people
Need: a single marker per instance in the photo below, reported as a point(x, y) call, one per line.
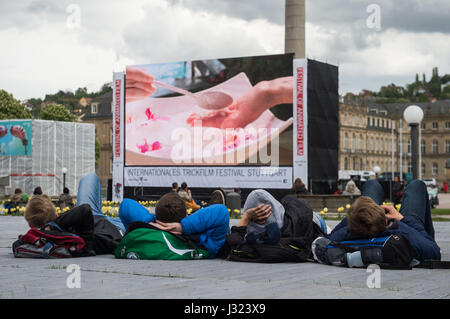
point(21, 197)
point(264, 220)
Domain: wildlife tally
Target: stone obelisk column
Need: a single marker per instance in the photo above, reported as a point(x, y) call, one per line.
point(294, 37)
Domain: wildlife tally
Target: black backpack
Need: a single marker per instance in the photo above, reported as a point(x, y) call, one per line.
point(106, 236)
point(298, 232)
point(389, 252)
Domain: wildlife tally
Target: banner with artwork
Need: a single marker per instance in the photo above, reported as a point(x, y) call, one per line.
point(15, 138)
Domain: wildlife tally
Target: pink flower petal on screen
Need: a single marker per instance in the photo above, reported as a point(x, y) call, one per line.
point(156, 146)
point(149, 114)
point(144, 147)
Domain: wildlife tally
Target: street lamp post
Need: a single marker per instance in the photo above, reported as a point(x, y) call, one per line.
point(376, 170)
point(64, 171)
point(413, 115)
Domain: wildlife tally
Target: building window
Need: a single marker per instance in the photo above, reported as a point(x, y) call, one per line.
point(435, 169)
point(447, 146)
point(422, 125)
point(435, 125)
point(346, 163)
point(422, 146)
point(409, 146)
point(353, 142)
point(94, 108)
point(423, 169)
point(447, 125)
point(435, 148)
point(361, 144)
point(345, 141)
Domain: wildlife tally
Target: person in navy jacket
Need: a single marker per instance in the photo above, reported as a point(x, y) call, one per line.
point(367, 218)
point(207, 227)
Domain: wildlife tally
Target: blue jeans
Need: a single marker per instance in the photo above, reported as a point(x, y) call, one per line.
point(90, 192)
point(415, 201)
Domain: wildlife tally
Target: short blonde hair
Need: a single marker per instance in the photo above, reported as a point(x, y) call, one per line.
point(39, 211)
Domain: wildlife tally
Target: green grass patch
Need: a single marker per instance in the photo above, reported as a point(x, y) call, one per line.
point(439, 211)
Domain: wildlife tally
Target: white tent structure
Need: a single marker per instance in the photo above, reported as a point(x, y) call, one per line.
point(52, 146)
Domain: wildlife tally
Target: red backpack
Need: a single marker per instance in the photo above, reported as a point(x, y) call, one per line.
point(54, 243)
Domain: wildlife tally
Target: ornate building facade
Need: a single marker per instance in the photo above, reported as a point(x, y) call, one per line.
point(376, 135)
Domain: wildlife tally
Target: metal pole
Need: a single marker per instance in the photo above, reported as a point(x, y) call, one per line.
point(392, 161)
point(401, 150)
point(392, 149)
point(414, 149)
point(64, 180)
point(420, 152)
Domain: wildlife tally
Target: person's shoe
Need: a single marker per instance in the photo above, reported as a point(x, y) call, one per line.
point(217, 197)
point(319, 249)
point(327, 255)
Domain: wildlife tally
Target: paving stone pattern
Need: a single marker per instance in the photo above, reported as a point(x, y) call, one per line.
point(107, 277)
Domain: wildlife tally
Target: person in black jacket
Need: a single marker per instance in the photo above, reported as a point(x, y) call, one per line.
point(368, 218)
point(98, 231)
point(298, 231)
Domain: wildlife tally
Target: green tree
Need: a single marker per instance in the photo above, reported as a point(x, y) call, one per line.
point(10, 108)
point(56, 112)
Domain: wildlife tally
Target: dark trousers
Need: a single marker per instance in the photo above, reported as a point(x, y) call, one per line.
point(415, 201)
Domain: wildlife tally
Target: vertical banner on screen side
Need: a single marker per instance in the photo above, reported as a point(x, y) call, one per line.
point(300, 112)
point(118, 135)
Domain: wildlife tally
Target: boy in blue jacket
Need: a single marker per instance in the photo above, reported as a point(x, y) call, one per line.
point(367, 218)
point(207, 227)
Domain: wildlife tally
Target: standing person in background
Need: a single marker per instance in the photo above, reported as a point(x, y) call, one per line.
point(174, 188)
point(299, 187)
point(65, 199)
point(185, 193)
point(397, 190)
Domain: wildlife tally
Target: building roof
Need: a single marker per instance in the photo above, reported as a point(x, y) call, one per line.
point(430, 108)
point(103, 107)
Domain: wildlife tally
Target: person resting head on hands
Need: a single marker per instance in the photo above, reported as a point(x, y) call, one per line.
point(263, 216)
point(207, 227)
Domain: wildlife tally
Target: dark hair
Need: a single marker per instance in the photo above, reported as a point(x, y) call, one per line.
point(170, 208)
point(183, 185)
point(298, 184)
point(366, 218)
point(175, 185)
point(37, 191)
point(66, 190)
point(17, 191)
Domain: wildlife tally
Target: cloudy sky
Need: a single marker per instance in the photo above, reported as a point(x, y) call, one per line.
point(50, 45)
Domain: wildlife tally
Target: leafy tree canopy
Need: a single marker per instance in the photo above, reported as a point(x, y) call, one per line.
point(10, 108)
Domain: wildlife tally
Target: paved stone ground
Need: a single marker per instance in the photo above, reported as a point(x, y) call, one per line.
point(107, 277)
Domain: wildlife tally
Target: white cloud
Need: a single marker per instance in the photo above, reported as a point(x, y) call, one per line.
point(389, 56)
point(49, 56)
point(174, 33)
point(40, 55)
